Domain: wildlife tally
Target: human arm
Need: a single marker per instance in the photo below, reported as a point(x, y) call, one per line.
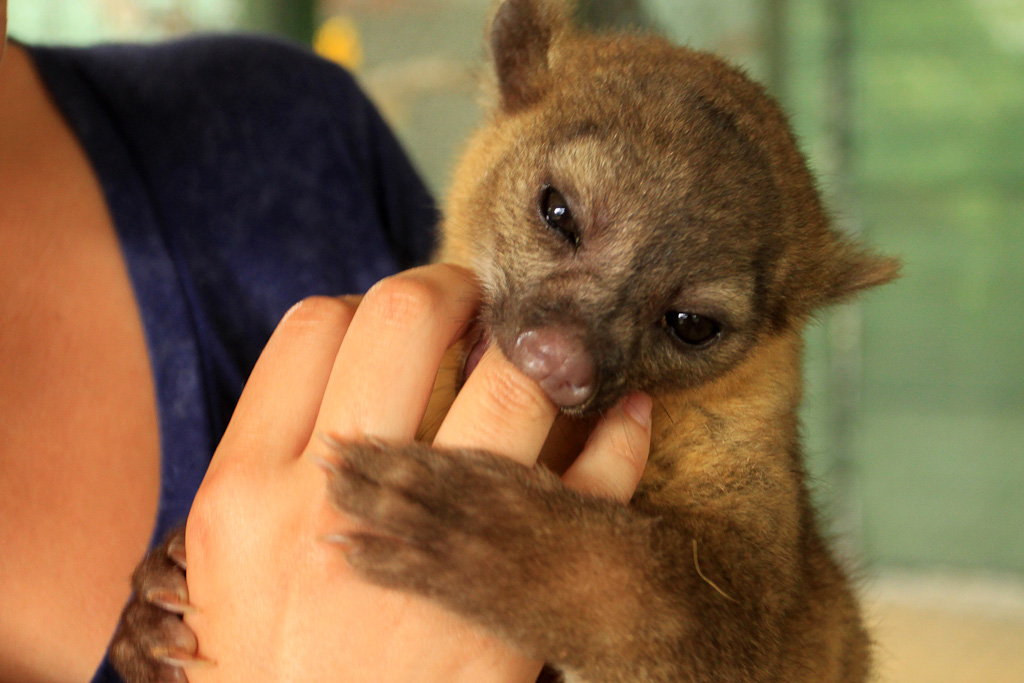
point(271, 599)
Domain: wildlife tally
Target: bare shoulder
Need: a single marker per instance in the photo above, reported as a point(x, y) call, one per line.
point(78, 442)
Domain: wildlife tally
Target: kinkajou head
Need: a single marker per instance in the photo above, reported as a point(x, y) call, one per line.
point(638, 213)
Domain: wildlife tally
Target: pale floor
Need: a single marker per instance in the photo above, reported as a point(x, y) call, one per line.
point(947, 629)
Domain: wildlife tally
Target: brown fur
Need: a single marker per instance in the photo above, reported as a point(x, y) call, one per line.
point(670, 151)
point(689, 195)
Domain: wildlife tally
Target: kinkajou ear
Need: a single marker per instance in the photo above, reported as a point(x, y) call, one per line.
point(857, 269)
point(827, 274)
point(522, 34)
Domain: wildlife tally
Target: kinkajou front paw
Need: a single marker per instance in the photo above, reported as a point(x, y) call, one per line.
point(152, 643)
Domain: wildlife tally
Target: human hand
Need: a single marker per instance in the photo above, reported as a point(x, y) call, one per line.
point(271, 600)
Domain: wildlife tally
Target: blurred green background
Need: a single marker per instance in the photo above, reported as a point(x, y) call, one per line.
point(912, 114)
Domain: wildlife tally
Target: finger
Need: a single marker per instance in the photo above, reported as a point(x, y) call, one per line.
point(614, 456)
point(279, 404)
point(385, 370)
point(499, 410)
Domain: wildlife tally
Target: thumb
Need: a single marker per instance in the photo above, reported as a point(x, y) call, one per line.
point(614, 456)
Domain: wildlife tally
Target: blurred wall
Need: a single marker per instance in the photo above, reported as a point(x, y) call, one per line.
point(88, 21)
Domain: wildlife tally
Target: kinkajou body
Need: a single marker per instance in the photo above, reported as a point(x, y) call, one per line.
point(640, 219)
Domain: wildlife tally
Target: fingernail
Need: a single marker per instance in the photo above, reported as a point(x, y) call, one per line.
point(176, 552)
point(638, 407)
point(332, 442)
point(323, 463)
point(180, 658)
point(169, 601)
point(195, 663)
point(342, 541)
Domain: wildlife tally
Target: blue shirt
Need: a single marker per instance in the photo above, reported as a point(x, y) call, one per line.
point(241, 174)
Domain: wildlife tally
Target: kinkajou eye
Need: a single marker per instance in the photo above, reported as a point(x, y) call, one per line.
point(555, 211)
point(693, 329)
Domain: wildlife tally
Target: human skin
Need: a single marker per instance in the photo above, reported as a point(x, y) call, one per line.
point(79, 451)
point(79, 446)
point(257, 559)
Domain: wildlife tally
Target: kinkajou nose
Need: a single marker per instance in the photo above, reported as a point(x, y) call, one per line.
point(557, 359)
